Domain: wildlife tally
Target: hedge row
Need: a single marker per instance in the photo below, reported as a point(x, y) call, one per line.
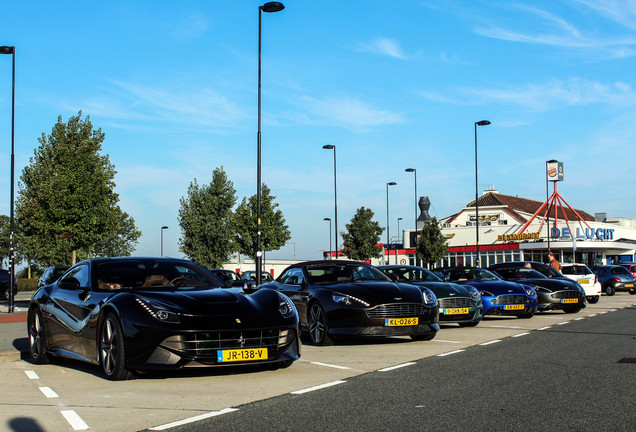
point(27, 284)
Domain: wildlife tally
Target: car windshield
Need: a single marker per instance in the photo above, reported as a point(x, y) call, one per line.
point(467, 274)
point(575, 270)
point(334, 273)
point(410, 274)
point(147, 273)
point(619, 271)
point(519, 273)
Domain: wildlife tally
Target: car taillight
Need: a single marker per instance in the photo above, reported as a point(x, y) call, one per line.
point(617, 279)
point(595, 279)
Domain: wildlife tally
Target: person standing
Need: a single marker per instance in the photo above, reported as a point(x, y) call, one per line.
point(554, 263)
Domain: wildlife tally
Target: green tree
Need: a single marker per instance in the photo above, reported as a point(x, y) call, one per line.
point(431, 243)
point(207, 221)
point(360, 241)
point(4, 238)
point(274, 232)
point(66, 202)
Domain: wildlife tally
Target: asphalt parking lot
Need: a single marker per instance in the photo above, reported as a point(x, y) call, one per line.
point(69, 395)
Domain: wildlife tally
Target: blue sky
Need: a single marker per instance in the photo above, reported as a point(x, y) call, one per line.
point(393, 85)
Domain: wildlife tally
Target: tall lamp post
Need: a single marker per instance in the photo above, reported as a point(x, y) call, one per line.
point(387, 217)
point(162, 228)
point(269, 7)
point(547, 197)
point(414, 171)
point(294, 244)
point(329, 219)
point(478, 123)
point(11, 50)
point(335, 195)
point(398, 221)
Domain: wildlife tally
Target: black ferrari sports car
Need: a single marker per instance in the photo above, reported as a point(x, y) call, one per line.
point(552, 293)
point(459, 304)
point(128, 314)
point(349, 298)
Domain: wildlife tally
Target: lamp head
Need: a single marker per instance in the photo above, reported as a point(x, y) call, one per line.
point(164, 227)
point(329, 146)
point(482, 123)
point(391, 183)
point(327, 219)
point(272, 7)
point(410, 170)
point(7, 49)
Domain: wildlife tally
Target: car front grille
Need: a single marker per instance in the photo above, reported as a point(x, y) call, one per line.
point(397, 310)
point(447, 303)
point(206, 344)
point(567, 294)
point(510, 299)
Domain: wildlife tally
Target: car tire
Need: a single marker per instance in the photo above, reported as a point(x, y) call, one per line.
point(37, 337)
point(318, 326)
point(632, 291)
point(609, 290)
point(112, 353)
point(469, 324)
point(572, 310)
point(525, 316)
point(593, 299)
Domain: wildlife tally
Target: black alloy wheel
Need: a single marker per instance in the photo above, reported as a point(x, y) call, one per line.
point(593, 299)
point(37, 337)
point(318, 327)
point(112, 355)
point(609, 290)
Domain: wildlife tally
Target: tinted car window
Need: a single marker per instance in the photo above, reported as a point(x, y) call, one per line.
point(344, 273)
point(520, 273)
point(407, 274)
point(145, 274)
point(618, 271)
point(575, 270)
point(81, 274)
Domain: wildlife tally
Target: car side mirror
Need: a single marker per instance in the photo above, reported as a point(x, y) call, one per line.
point(69, 283)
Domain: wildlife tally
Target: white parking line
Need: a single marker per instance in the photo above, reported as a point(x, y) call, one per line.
point(48, 392)
point(74, 420)
point(520, 334)
point(579, 318)
point(563, 323)
point(330, 365)
point(505, 327)
point(450, 353)
point(31, 375)
point(390, 368)
point(445, 341)
point(490, 342)
point(193, 419)
point(544, 328)
point(318, 387)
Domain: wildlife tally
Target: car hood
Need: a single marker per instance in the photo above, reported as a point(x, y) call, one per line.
point(445, 289)
point(209, 301)
point(549, 284)
point(380, 292)
point(496, 287)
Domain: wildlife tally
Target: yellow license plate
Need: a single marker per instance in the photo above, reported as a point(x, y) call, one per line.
point(455, 311)
point(399, 322)
point(572, 300)
point(629, 285)
point(514, 307)
point(584, 281)
point(237, 355)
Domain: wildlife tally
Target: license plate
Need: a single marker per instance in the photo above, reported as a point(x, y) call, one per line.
point(399, 322)
point(455, 311)
point(514, 307)
point(572, 300)
point(629, 285)
point(584, 281)
point(236, 355)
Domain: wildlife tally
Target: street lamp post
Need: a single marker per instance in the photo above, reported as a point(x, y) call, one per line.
point(335, 195)
point(414, 171)
point(479, 123)
point(396, 255)
point(387, 218)
point(11, 50)
point(162, 228)
point(294, 244)
point(329, 219)
point(269, 7)
point(547, 198)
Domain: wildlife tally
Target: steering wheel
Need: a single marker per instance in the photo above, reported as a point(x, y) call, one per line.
point(175, 281)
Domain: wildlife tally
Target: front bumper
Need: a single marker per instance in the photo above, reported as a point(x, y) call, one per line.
point(561, 300)
point(509, 305)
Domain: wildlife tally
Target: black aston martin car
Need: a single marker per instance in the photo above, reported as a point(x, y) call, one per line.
point(459, 304)
point(128, 314)
point(349, 298)
point(556, 293)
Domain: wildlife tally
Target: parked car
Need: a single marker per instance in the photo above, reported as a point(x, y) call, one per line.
point(552, 293)
point(631, 266)
point(349, 298)
point(460, 304)
point(50, 275)
point(228, 277)
point(128, 314)
point(614, 278)
point(5, 281)
point(586, 278)
point(250, 278)
point(499, 297)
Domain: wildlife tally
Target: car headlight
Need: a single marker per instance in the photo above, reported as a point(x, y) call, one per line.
point(530, 290)
point(486, 293)
point(285, 306)
point(347, 299)
point(158, 312)
point(474, 293)
point(580, 287)
point(428, 297)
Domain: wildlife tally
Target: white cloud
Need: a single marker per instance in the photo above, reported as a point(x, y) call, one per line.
point(384, 46)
